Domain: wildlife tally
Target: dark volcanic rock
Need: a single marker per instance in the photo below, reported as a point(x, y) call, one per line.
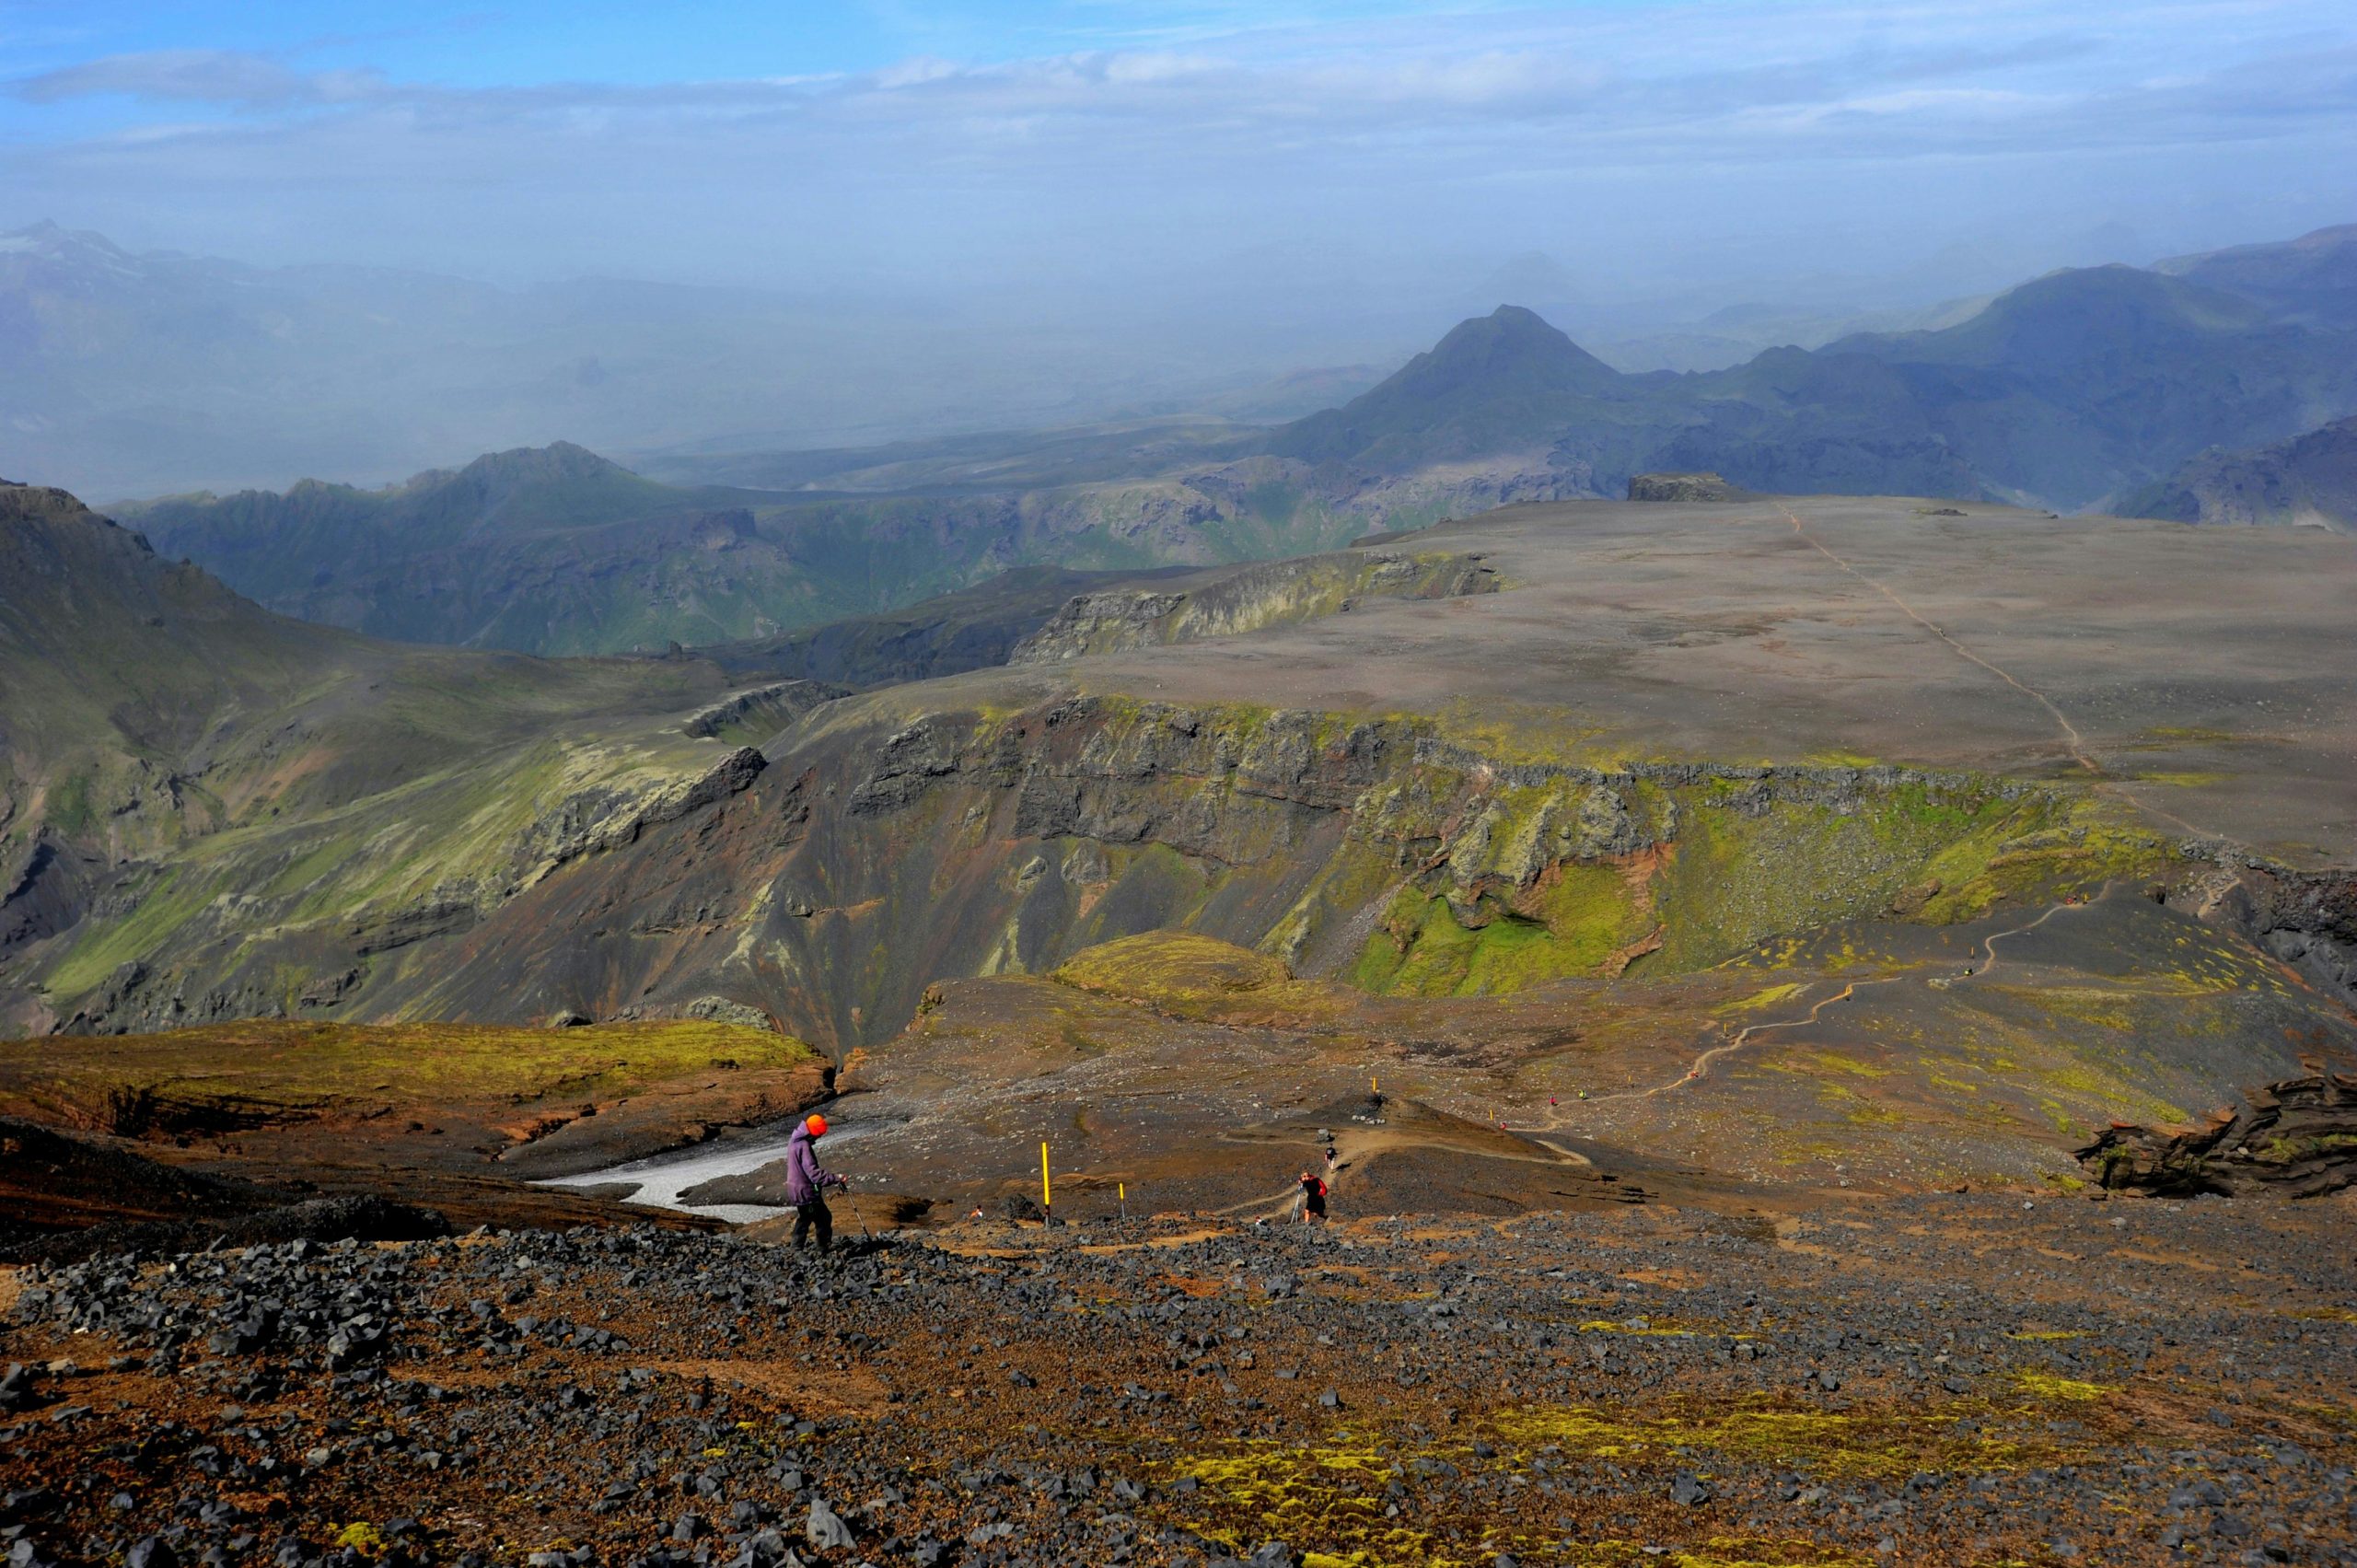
point(2297, 1137)
point(672, 1398)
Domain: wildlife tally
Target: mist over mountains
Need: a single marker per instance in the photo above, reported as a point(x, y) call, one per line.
point(2074, 391)
point(135, 374)
point(141, 374)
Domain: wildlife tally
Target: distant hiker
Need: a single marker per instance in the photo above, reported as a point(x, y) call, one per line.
point(1313, 1198)
point(807, 1182)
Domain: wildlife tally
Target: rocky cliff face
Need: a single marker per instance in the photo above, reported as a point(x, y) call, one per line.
point(758, 712)
point(878, 851)
point(2298, 1137)
point(874, 850)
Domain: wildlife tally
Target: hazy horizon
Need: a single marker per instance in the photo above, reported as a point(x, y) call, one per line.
point(1118, 150)
point(983, 215)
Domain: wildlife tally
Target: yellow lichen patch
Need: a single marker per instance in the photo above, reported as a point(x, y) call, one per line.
point(1759, 999)
point(363, 1537)
point(2048, 1334)
point(2048, 1386)
point(1330, 1493)
point(1833, 1062)
point(2340, 1417)
point(1857, 1443)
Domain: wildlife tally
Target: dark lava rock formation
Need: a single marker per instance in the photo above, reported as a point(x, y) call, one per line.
point(2298, 1137)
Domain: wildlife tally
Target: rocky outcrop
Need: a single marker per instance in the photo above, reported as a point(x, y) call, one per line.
point(2297, 1138)
point(606, 818)
point(45, 890)
point(1099, 622)
point(2310, 481)
point(1682, 487)
point(764, 709)
point(383, 931)
point(1279, 593)
point(2307, 920)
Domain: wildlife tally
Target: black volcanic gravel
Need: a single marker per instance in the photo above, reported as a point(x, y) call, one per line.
point(1932, 1381)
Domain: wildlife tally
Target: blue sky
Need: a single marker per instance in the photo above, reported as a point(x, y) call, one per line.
point(1129, 155)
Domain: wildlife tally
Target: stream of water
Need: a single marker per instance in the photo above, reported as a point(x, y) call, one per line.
point(662, 1177)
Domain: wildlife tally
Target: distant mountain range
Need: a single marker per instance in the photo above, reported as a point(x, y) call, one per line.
point(2308, 280)
point(558, 550)
point(2078, 390)
point(550, 549)
point(2064, 392)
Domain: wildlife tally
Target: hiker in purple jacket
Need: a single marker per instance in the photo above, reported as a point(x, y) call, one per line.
point(807, 1182)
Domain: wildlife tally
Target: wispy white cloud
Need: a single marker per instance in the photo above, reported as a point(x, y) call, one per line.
point(1398, 138)
point(200, 75)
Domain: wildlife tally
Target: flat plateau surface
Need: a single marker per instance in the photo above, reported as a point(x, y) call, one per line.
point(2209, 675)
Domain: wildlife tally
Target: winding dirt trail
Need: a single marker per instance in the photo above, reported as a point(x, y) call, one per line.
point(1989, 943)
point(1700, 1065)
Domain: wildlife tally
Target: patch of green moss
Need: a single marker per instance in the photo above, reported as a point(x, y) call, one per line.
point(175, 898)
point(1577, 917)
point(69, 805)
point(1189, 976)
point(1774, 996)
point(1522, 732)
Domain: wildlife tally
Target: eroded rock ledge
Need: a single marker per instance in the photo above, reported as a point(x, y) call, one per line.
point(2297, 1138)
point(1279, 593)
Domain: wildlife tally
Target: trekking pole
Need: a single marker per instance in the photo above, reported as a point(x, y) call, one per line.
point(860, 1212)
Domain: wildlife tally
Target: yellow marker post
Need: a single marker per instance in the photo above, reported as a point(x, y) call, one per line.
point(1122, 1187)
point(1047, 1201)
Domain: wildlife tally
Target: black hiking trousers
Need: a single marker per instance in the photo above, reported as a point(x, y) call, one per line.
point(814, 1212)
